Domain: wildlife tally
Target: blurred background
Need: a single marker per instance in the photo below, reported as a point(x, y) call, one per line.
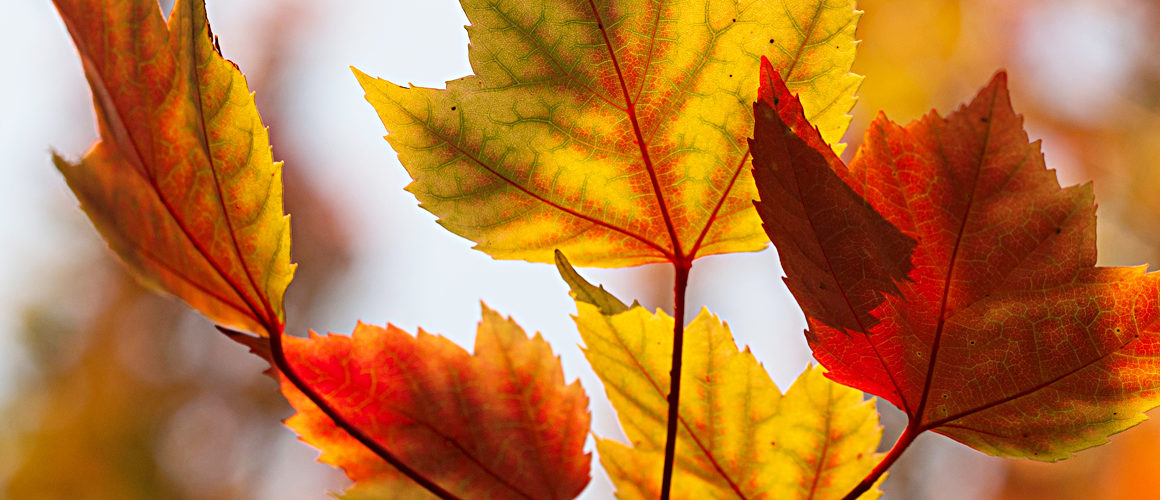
point(107, 391)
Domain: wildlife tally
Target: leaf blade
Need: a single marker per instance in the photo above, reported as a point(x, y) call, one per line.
point(497, 424)
point(613, 131)
point(738, 436)
point(182, 184)
point(1004, 335)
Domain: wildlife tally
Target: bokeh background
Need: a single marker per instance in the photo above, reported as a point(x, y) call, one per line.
point(107, 391)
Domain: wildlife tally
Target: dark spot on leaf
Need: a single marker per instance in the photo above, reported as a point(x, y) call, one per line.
point(776, 101)
point(452, 108)
point(730, 76)
point(735, 19)
point(600, 25)
point(945, 396)
point(770, 40)
point(972, 342)
point(1058, 230)
point(985, 119)
point(821, 286)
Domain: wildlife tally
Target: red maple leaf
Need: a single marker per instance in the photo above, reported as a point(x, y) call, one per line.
point(945, 270)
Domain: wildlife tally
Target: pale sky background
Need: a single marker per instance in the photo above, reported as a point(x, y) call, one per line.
point(408, 270)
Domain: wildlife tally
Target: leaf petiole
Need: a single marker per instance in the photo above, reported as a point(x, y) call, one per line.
point(680, 285)
point(908, 434)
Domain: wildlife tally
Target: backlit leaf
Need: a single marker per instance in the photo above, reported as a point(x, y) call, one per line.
point(584, 291)
point(612, 130)
point(738, 436)
point(1002, 333)
point(499, 424)
point(181, 184)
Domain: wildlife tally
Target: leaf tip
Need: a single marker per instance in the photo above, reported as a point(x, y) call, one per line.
point(1000, 78)
point(359, 74)
point(487, 312)
point(583, 291)
point(259, 346)
point(61, 162)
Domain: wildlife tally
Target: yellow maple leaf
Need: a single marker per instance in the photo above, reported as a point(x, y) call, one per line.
point(738, 436)
point(613, 130)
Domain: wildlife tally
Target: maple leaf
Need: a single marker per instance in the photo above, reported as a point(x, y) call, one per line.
point(499, 424)
point(612, 130)
point(739, 437)
point(999, 331)
point(181, 184)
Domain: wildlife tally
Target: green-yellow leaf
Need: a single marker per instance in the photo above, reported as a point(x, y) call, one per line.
point(738, 436)
point(181, 184)
point(613, 130)
point(583, 291)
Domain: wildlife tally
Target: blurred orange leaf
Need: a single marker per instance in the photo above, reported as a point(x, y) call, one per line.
point(499, 424)
point(181, 184)
point(1122, 470)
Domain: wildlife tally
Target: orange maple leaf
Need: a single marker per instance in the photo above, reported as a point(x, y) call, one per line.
point(181, 184)
point(499, 424)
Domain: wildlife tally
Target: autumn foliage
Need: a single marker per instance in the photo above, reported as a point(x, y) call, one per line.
point(181, 184)
point(497, 424)
point(615, 135)
point(943, 269)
